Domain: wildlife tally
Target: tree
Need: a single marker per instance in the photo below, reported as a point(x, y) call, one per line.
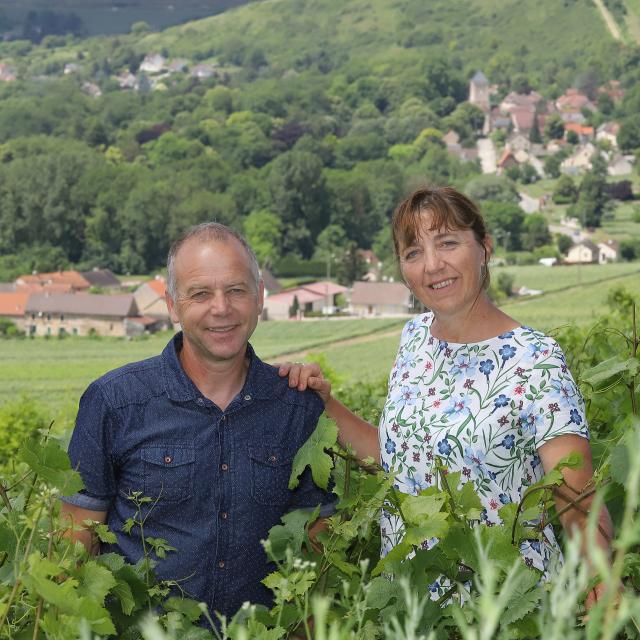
point(592, 200)
point(554, 127)
point(505, 222)
point(536, 232)
point(629, 134)
point(572, 137)
point(332, 241)
point(564, 243)
point(495, 188)
point(528, 175)
point(263, 231)
point(351, 266)
point(552, 165)
point(534, 135)
point(565, 191)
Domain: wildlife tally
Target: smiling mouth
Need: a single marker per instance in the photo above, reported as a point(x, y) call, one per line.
point(442, 284)
point(221, 329)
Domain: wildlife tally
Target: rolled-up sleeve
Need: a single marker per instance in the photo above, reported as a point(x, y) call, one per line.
point(90, 451)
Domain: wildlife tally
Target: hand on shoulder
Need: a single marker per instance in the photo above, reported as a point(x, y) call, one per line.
point(304, 376)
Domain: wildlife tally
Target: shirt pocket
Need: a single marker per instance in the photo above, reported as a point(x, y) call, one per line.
point(270, 471)
point(168, 472)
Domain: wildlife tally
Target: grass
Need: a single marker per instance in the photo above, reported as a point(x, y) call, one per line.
point(57, 371)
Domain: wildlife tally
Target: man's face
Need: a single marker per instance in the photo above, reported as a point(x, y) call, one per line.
point(217, 300)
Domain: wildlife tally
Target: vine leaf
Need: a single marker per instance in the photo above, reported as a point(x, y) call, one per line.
point(312, 454)
point(96, 581)
point(609, 368)
point(51, 462)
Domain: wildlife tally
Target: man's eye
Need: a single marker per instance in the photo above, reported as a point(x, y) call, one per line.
point(199, 295)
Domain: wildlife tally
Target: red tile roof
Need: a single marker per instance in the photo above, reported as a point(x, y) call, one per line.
point(158, 285)
point(12, 304)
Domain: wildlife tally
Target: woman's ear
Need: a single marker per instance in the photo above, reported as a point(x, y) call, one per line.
point(487, 243)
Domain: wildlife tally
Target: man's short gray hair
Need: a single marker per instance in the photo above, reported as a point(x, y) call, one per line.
point(212, 232)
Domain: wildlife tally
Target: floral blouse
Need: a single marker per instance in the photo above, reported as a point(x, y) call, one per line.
point(484, 408)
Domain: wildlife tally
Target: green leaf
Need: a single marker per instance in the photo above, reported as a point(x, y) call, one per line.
point(417, 509)
point(525, 596)
point(52, 464)
point(95, 581)
point(123, 592)
point(609, 368)
point(190, 608)
point(312, 454)
point(435, 527)
point(104, 535)
point(97, 616)
point(381, 591)
point(620, 462)
point(291, 533)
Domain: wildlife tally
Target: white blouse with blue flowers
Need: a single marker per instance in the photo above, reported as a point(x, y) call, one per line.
point(484, 408)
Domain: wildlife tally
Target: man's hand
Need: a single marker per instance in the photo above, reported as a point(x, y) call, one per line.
point(77, 531)
point(306, 376)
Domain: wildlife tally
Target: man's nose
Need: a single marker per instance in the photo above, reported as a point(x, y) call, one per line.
point(219, 304)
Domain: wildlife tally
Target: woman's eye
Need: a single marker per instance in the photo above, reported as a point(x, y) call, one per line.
point(412, 254)
point(449, 244)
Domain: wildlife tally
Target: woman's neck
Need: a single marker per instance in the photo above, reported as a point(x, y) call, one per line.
point(482, 321)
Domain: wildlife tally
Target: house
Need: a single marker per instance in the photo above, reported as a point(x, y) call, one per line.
point(13, 305)
point(579, 161)
point(79, 314)
point(573, 100)
point(584, 133)
point(271, 284)
point(608, 131)
point(613, 90)
point(179, 65)
point(620, 165)
point(150, 300)
point(499, 120)
point(127, 80)
point(584, 252)
point(380, 299)
point(522, 119)
point(203, 71)
point(479, 91)
point(515, 100)
point(518, 142)
point(72, 279)
point(7, 72)
point(103, 278)
point(315, 297)
point(609, 250)
point(153, 63)
point(91, 89)
point(507, 160)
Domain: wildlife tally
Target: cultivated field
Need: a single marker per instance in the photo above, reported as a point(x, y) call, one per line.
point(56, 371)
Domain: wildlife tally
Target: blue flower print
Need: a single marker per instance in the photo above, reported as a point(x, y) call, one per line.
point(563, 392)
point(411, 327)
point(385, 465)
point(442, 345)
point(434, 586)
point(487, 366)
point(530, 421)
point(464, 365)
point(535, 460)
point(506, 336)
point(501, 401)
point(444, 447)
point(534, 349)
point(390, 446)
point(507, 351)
point(409, 395)
point(475, 459)
point(415, 484)
point(483, 515)
point(508, 441)
point(575, 416)
point(457, 406)
point(504, 498)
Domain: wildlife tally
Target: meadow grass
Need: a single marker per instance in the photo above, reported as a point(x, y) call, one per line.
point(55, 372)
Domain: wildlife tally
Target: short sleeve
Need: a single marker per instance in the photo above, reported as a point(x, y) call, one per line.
point(307, 493)
point(558, 408)
point(90, 452)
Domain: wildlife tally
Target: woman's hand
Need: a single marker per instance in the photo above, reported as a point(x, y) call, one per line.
point(306, 376)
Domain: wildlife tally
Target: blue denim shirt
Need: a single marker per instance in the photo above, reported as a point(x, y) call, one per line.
point(220, 477)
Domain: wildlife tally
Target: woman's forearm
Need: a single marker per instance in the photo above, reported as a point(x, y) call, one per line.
point(353, 431)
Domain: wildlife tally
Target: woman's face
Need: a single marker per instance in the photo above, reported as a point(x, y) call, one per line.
point(445, 268)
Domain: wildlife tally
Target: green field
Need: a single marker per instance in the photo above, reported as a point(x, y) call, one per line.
point(56, 371)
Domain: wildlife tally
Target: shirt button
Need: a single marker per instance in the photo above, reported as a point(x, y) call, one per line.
point(273, 459)
point(247, 397)
point(224, 466)
point(168, 459)
point(224, 515)
point(221, 564)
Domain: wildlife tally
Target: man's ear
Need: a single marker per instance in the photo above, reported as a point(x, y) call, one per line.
point(171, 307)
point(260, 296)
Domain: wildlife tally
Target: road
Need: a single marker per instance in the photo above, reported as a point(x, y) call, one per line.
point(487, 155)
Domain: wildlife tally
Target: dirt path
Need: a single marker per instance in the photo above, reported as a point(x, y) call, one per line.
point(609, 21)
point(300, 355)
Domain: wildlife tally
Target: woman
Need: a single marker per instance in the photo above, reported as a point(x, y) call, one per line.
point(471, 386)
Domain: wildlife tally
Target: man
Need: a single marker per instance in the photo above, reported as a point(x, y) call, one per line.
point(206, 429)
